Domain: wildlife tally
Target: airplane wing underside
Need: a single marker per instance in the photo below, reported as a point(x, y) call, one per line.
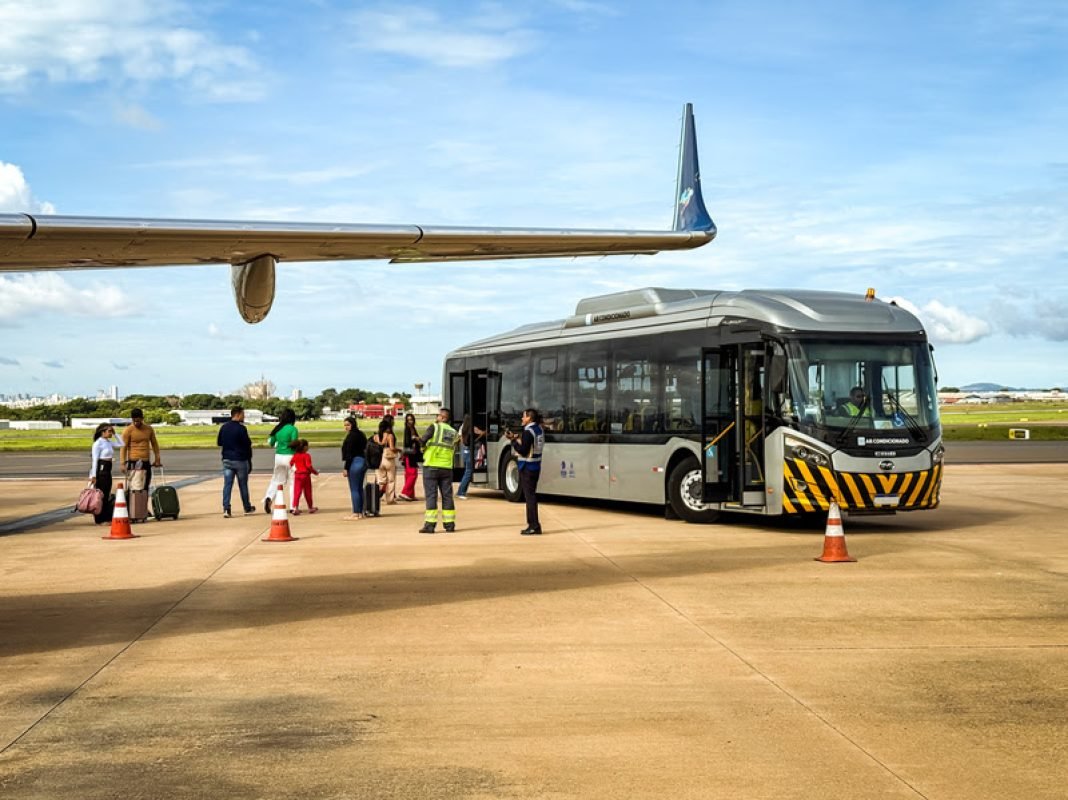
point(55, 242)
point(253, 249)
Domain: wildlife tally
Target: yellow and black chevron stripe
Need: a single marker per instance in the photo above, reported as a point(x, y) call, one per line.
point(810, 488)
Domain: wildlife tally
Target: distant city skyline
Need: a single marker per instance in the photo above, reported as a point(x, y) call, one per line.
point(917, 148)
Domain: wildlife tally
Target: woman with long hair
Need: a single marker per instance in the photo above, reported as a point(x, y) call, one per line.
point(100, 470)
point(387, 470)
point(413, 454)
point(354, 464)
point(282, 437)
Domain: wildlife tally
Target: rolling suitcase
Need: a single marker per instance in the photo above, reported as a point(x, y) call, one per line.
point(137, 505)
point(165, 499)
point(372, 498)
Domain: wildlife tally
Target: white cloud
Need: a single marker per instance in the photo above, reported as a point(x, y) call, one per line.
point(422, 35)
point(947, 324)
point(137, 116)
point(1026, 313)
point(24, 295)
point(15, 194)
point(117, 41)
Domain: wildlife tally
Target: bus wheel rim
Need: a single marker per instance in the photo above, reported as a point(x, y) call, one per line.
point(690, 491)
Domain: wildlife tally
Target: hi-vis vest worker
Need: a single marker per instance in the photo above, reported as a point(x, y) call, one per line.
point(857, 404)
point(533, 458)
point(528, 449)
point(441, 446)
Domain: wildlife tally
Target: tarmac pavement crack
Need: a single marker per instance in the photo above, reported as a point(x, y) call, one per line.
point(115, 656)
point(748, 664)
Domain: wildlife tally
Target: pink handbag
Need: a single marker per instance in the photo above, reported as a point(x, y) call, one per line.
point(90, 501)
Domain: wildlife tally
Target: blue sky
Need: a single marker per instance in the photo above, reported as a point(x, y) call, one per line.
point(915, 147)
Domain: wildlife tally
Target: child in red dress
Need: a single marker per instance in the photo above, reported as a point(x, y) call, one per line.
point(301, 464)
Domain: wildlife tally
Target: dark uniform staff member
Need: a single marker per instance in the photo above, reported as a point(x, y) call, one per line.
point(439, 446)
point(528, 448)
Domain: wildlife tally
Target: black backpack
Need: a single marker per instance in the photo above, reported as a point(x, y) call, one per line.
point(374, 454)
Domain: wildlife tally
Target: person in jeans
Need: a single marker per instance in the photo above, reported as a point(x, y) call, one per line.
point(354, 464)
point(472, 437)
point(236, 447)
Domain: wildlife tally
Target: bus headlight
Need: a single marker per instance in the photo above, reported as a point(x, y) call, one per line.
point(938, 454)
point(803, 452)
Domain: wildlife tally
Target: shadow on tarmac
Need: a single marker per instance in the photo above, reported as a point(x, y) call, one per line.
point(45, 622)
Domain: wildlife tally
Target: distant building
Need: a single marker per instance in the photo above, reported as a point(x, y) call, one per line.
point(296, 394)
point(92, 422)
point(35, 425)
point(217, 416)
point(426, 404)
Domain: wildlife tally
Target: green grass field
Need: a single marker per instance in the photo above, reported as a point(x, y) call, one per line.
point(319, 434)
point(1045, 421)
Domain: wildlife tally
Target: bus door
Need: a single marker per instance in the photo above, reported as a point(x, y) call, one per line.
point(475, 392)
point(751, 412)
point(719, 435)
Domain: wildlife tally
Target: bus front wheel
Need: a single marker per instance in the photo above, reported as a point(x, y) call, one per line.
point(685, 487)
point(513, 492)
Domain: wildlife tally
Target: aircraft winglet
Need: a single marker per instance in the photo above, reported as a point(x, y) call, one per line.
point(690, 211)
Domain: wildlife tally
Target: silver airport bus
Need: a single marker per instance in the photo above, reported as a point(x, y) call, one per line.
point(710, 401)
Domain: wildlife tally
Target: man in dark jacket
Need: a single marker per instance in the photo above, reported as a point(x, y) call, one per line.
point(236, 459)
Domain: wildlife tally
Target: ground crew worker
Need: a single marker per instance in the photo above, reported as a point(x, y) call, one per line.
point(439, 447)
point(528, 448)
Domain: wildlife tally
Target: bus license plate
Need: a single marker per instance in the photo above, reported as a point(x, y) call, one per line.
point(886, 501)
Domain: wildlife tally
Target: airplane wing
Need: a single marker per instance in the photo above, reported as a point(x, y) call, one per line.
point(46, 242)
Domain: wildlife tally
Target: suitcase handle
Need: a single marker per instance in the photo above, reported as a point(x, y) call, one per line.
point(162, 477)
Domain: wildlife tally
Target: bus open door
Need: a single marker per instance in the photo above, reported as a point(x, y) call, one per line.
point(732, 427)
point(475, 392)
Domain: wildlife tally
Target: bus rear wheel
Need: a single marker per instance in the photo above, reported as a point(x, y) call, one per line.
point(509, 482)
point(685, 486)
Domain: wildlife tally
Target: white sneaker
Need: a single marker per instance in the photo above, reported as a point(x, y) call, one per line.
point(461, 497)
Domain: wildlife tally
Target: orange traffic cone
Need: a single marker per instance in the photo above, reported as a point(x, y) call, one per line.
point(834, 546)
point(120, 518)
point(279, 519)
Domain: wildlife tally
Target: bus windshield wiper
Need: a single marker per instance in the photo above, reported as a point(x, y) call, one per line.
point(910, 421)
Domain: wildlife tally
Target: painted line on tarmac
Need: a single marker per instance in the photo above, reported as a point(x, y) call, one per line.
point(27, 524)
point(113, 658)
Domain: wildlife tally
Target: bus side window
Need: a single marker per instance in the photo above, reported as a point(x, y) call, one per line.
point(589, 391)
point(682, 390)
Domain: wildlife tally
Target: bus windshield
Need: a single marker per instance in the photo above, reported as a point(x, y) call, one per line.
point(841, 386)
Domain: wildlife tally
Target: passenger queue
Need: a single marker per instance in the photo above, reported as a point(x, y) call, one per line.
point(368, 464)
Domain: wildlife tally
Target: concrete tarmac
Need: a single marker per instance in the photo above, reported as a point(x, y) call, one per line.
point(618, 655)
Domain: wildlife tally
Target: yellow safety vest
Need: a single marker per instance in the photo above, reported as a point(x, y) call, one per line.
point(440, 448)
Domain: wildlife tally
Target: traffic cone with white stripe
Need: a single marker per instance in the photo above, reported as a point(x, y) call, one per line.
point(279, 519)
point(834, 545)
point(120, 518)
